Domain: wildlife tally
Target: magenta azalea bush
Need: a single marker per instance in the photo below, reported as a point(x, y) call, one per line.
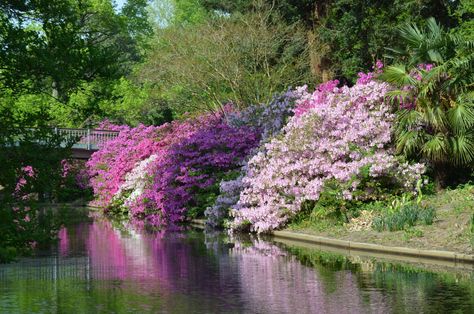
point(108, 167)
point(339, 136)
point(160, 174)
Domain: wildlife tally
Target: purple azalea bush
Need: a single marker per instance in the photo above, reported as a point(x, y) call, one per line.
point(158, 173)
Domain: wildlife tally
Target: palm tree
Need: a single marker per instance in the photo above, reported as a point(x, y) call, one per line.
point(435, 95)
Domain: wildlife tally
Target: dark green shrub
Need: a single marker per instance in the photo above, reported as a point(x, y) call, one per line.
point(24, 227)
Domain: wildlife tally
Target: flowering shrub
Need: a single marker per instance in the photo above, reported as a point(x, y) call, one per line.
point(267, 119)
point(135, 182)
point(108, 167)
point(158, 174)
point(338, 137)
point(185, 173)
point(26, 176)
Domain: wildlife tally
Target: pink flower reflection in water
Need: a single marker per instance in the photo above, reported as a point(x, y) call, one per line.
point(273, 279)
point(63, 242)
point(135, 256)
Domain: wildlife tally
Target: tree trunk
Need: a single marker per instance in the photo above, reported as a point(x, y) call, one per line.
point(319, 63)
point(55, 91)
point(441, 174)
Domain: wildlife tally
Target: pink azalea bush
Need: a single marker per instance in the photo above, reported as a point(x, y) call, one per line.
point(108, 167)
point(338, 136)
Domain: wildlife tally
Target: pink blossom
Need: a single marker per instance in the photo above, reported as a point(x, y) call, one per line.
point(338, 132)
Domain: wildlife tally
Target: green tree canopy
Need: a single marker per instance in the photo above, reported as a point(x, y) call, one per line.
point(54, 46)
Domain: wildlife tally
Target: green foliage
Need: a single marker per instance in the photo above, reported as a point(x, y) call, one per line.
point(356, 32)
point(331, 204)
point(472, 223)
point(206, 198)
point(27, 140)
point(67, 49)
point(40, 148)
point(403, 217)
point(131, 104)
point(438, 126)
point(20, 234)
point(464, 14)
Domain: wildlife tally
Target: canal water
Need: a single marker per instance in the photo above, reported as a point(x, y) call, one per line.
point(99, 267)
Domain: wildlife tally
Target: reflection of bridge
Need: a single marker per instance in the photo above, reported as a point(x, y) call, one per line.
point(86, 141)
point(47, 268)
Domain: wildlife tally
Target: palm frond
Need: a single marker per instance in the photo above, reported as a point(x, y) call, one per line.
point(409, 142)
point(462, 148)
point(411, 35)
point(435, 56)
point(436, 117)
point(395, 53)
point(436, 148)
point(408, 119)
point(461, 116)
point(398, 96)
point(398, 75)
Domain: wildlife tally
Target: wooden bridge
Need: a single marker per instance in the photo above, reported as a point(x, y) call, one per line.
point(87, 141)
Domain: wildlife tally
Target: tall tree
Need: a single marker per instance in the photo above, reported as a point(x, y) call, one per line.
point(55, 46)
point(347, 36)
point(242, 59)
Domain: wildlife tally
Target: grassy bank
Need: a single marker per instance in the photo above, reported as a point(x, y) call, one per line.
point(451, 229)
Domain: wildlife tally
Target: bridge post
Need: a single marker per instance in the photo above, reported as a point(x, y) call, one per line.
point(89, 147)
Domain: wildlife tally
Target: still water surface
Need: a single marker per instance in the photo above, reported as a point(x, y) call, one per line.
point(99, 268)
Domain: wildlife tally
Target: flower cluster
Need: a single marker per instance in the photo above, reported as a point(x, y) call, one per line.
point(267, 119)
point(335, 134)
point(135, 181)
point(108, 167)
point(27, 174)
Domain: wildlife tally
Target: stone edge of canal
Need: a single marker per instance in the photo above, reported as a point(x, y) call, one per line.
point(445, 258)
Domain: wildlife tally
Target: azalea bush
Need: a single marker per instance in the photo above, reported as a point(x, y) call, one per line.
point(158, 175)
point(268, 120)
point(73, 183)
point(108, 167)
point(31, 162)
point(34, 169)
point(338, 140)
